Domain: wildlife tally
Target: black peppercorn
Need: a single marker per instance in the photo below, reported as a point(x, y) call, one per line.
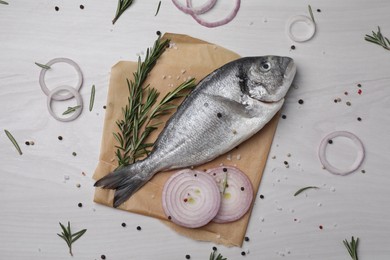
point(103, 257)
point(300, 101)
point(219, 115)
point(330, 141)
point(138, 228)
point(292, 47)
point(57, 8)
point(261, 196)
point(123, 224)
point(80, 205)
point(243, 253)
point(60, 138)
point(81, 6)
point(188, 257)
point(246, 239)
point(284, 116)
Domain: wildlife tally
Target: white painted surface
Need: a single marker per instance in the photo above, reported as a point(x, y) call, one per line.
point(34, 196)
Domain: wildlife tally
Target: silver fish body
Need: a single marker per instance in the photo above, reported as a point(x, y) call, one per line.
point(226, 108)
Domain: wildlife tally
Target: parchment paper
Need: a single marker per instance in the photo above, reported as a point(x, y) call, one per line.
point(186, 57)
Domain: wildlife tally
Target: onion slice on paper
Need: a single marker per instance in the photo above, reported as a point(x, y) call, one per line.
point(195, 10)
point(224, 21)
point(43, 83)
point(236, 190)
point(356, 164)
point(191, 198)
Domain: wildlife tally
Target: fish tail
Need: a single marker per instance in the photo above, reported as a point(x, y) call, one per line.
point(125, 181)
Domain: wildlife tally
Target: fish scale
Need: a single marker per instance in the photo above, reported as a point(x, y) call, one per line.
point(227, 107)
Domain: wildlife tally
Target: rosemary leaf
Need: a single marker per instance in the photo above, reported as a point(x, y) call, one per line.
point(3, 2)
point(122, 6)
point(379, 39)
point(352, 247)
point(158, 8)
point(225, 184)
point(213, 256)
point(68, 237)
point(14, 142)
point(92, 98)
point(311, 14)
point(71, 110)
point(43, 66)
point(305, 188)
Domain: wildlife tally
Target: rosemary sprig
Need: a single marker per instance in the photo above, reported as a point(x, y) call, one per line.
point(71, 110)
point(352, 247)
point(92, 98)
point(142, 111)
point(311, 14)
point(305, 188)
point(43, 66)
point(3, 2)
point(158, 8)
point(122, 6)
point(378, 38)
point(14, 142)
point(213, 256)
point(70, 238)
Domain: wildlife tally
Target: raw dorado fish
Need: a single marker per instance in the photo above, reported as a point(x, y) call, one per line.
point(226, 108)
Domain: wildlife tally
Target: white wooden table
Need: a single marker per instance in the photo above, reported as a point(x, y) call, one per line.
point(38, 189)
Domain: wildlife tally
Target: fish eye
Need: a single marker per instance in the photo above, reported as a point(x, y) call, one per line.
point(265, 66)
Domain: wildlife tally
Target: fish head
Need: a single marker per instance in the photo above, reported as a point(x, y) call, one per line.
point(269, 78)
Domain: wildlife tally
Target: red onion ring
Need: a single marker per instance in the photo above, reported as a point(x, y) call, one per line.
point(226, 20)
point(191, 198)
point(322, 153)
point(238, 195)
point(43, 73)
point(73, 93)
point(195, 10)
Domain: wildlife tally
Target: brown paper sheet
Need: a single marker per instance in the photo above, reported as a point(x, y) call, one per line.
point(186, 57)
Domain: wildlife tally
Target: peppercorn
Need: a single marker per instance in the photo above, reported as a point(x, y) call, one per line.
point(123, 224)
point(242, 188)
point(261, 196)
point(138, 228)
point(103, 257)
point(224, 169)
point(330, 141)
point(214, 248)
point(292, 47)
point(158, 33)
point(284, 116)
point(60, 138)
point(243, 253)
point(300, 101)
point(57, 8)
point(219, 115)
point(74, 153)
point(27, 143)
point(81, 7)
point(80, 204)
point(246, 239)
point(188, 256)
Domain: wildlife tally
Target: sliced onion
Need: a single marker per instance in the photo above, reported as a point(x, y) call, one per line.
point(237, 193)
point(358, 161)
point(195, 10)
point(72, 93)
point(226, 20)
point(43, 83)
point(191, 198)
point(302, 19)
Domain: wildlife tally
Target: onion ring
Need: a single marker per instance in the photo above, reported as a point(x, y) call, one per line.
point(195, 10)
point(74, 93)
point(322, 153)
point(43, 73)
point(300, 18)
point(226, 20)
point(238, 193)
point(191, 198)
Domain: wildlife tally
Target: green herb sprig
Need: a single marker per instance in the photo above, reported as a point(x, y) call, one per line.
point(305, 188)
point(71, 110)
point(92, 98)
point(225, 184)
point(14, 142)
point(122, 6)
point(158, 8)
point(214, 256)
point(3, 2)
point(141, 112)
point(378, 39)
point(311, 14)
point(43, 66)
point(352, 247)
point(70, 238)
